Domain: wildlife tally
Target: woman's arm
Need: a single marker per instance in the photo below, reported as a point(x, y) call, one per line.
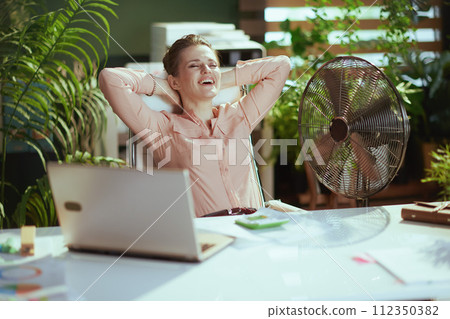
point(122, 88)
point(228, 79)
point(270, 74)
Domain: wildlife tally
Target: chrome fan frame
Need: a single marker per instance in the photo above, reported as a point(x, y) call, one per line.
point(355, 117)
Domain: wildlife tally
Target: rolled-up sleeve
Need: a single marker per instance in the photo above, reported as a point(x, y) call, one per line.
point(270, 74)
point(122, 88)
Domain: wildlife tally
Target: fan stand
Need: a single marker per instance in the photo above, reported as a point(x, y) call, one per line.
point(362, 202)
point(339, 131)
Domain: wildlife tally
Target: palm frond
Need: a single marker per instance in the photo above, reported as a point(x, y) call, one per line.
point(2, 215)
point(40, 90)
point(36, 206)
point(43, 48)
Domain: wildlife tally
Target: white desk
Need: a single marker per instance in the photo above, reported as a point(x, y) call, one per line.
point(310, 258)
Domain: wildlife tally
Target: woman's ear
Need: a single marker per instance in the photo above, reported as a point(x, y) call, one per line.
point(173, 82)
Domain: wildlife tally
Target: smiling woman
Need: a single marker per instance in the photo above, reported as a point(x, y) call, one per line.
point(197, 80)
point(208, 140)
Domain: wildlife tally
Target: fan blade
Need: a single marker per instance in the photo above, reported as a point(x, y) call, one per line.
point(374, 107)
point(325, 145)
point(332, 83)
point(364, 159)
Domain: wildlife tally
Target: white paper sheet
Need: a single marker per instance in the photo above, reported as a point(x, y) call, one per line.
point(419, 263)
point(42, 279)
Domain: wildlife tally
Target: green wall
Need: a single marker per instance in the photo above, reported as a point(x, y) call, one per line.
point(132, 30)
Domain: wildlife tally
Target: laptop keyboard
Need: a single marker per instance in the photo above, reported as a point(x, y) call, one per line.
point(206, 246)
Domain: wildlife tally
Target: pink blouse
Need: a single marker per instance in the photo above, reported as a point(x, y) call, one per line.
point(217, 157)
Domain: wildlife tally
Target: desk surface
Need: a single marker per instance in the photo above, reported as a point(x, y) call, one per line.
point(318, 255)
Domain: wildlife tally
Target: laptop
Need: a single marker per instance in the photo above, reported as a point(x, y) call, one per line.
point(125, 211)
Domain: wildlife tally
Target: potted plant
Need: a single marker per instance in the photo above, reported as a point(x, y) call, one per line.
point(439, 172)
point(50, 101)
point(431, 76)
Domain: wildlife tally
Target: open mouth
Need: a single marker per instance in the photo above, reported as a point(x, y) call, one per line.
point(207, 82)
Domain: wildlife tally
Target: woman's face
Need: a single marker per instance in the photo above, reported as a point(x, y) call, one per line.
point(198, 76)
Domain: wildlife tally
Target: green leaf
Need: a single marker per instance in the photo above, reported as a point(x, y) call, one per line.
point(40, 89)
point(2, 211)
point(101, 6)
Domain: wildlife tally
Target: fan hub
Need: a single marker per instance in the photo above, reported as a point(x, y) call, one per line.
point(339, 129)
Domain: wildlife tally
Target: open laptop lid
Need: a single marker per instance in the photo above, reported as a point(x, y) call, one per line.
point(117, 210)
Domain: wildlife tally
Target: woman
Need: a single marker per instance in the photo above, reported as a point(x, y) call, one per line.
point(208, 140)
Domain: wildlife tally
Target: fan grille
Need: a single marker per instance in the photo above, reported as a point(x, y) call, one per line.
point(354, 115)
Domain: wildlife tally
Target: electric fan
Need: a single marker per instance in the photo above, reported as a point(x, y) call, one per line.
point(354, 116)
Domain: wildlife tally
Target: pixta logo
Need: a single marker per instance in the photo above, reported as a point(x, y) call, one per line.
point(141, 147)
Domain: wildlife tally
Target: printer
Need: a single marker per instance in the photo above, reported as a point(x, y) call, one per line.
point(231, 43)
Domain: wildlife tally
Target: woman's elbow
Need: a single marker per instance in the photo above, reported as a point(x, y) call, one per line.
point(285, 64)
point(103, 78)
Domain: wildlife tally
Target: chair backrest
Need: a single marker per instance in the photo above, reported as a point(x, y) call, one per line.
point(137, 158)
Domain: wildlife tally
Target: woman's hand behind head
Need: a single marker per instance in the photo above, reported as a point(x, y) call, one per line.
point(164, 90)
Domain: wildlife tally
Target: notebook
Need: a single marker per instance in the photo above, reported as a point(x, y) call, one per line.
point(125, 211)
